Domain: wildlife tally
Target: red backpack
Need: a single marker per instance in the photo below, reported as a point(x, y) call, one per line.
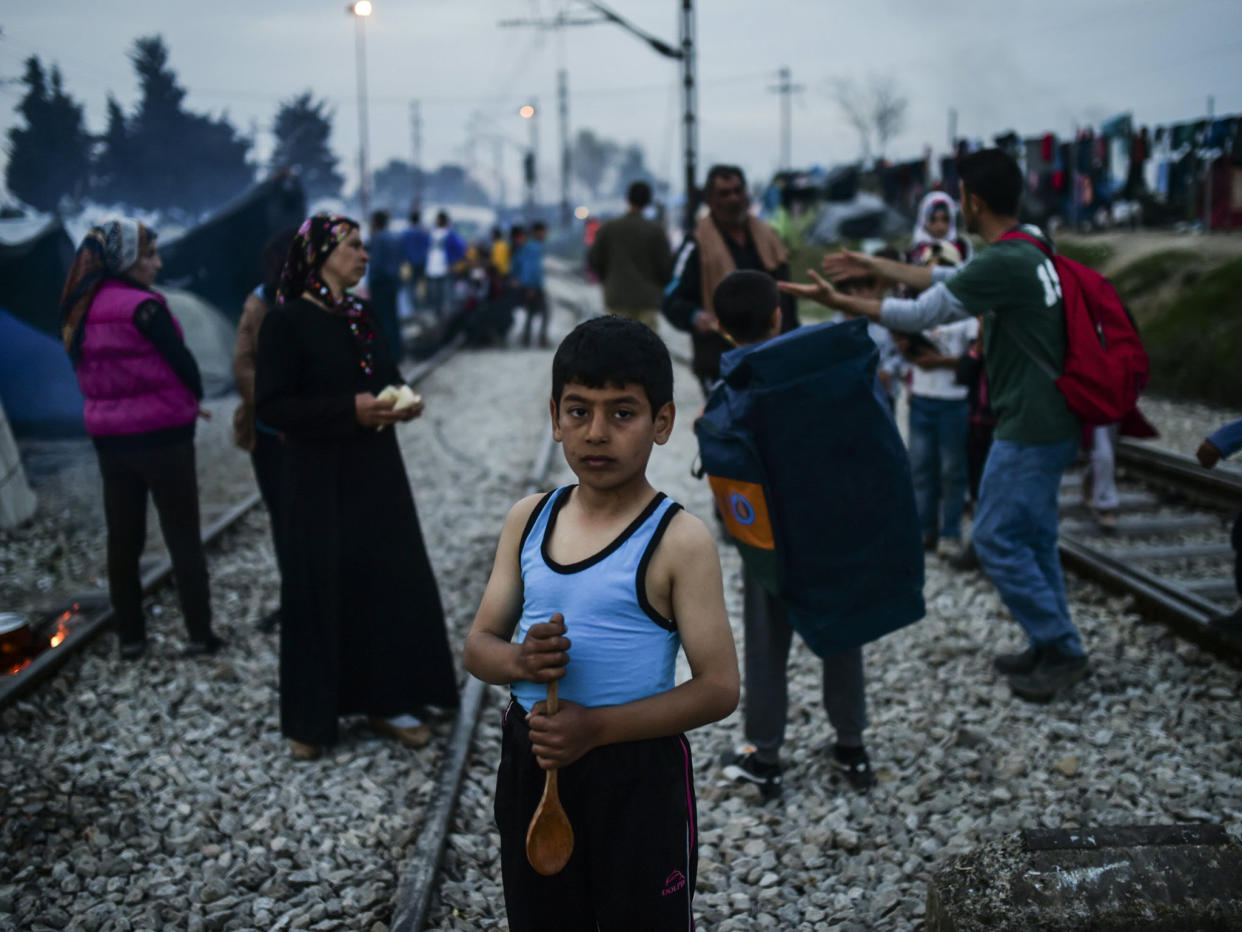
point(1105, 364)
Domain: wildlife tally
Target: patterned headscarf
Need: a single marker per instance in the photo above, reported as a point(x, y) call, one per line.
point(314, 242)
point(107, 251)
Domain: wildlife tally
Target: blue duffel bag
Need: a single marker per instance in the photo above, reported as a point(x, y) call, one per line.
point(812, 482)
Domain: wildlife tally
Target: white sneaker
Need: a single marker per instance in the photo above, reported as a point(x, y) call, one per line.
point(949, 548)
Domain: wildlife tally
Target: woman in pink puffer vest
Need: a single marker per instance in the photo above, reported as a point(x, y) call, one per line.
point(142, 389)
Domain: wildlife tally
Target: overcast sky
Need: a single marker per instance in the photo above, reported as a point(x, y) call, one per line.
point(1028, 66)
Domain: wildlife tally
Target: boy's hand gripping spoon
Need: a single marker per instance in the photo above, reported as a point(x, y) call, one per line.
point(550, 837)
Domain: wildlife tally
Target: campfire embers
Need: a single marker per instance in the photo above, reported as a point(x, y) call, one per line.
point(21, 642)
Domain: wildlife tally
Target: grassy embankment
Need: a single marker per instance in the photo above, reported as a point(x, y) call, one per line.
point(1191, 321)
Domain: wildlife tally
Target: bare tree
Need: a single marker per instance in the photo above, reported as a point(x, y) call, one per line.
point(876, 109)
point(888, 110)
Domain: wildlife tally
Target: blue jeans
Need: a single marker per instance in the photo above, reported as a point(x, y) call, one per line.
point(438, 293)
point(938, 463)
point(1015, 536)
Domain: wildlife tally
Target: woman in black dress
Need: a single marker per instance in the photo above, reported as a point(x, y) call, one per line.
point(362, 628)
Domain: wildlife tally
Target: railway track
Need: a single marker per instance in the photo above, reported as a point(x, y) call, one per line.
point(1170, 550)
point(75, 623)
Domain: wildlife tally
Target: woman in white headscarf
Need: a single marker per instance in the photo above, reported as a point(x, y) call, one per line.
point(937, 222)
point(142, 389)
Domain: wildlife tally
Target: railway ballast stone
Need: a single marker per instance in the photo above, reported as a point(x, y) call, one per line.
point(1110, 879)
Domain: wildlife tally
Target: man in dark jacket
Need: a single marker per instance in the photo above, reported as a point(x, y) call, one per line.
point(632, 258)
point(729, 238)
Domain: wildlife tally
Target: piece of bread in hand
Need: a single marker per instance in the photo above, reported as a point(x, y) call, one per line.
point(406, 398)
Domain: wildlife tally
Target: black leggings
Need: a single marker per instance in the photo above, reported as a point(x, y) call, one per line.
point(168, 473)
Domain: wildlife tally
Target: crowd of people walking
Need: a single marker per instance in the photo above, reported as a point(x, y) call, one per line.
point(448, 285)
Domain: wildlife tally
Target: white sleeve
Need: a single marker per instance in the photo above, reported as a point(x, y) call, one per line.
point(936, 305)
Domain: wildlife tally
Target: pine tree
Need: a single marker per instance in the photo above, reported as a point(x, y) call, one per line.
point(303, 127)
point(113, 168)
point(49, 157)
point(165, 156)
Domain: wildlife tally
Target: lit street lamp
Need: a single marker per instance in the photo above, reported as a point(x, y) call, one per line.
point(360, 10)
point(530, 113)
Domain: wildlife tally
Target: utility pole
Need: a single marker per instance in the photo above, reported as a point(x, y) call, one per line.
point(1207, 183)
point(689, 118)
point(416, 169)
point(498, 159)
point(562, 103)
point(361, 11)
point(952, 130)
point(786, 88)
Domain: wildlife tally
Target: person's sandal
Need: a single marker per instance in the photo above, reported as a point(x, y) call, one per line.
point(300, 750)
point(412, 736)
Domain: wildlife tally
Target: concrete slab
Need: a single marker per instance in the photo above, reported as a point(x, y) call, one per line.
point(1107, 879)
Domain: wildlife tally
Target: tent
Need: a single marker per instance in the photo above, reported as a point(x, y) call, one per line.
point(209, 334)
point(32, 273)
point(37, 384)
point(866, 216)
point(221, 259)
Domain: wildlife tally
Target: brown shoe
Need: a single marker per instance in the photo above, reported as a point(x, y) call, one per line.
point(415, 736)
point(300, 750)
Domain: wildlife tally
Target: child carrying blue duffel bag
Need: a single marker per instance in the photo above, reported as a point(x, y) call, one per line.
point(813, 484)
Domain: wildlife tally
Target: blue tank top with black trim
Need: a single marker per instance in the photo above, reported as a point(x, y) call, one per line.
point(622, 649)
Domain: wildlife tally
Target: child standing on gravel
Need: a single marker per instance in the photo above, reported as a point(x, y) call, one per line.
point(595, 586)
point(748, 308)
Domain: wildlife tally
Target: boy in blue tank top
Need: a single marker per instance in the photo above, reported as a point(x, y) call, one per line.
point(596, 586)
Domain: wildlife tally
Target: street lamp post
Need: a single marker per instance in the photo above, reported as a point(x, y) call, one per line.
point(530, 113)
point(360, 10)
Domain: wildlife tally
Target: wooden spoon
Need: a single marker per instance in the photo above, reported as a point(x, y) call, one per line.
point(550, 837)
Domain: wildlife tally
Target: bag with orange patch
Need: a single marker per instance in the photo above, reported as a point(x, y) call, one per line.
point(812, 483)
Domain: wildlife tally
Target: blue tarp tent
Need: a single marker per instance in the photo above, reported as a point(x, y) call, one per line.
point(37, 383)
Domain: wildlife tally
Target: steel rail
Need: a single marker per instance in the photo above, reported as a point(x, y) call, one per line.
point(417, 882)
point(1177, 605)
point(1181, 474)
point(1186, 612)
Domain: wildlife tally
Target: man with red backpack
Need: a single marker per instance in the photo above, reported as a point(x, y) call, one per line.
point(1016, 285)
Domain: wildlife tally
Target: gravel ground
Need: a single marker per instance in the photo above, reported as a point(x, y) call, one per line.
point(160, 795)
point(1149, 738)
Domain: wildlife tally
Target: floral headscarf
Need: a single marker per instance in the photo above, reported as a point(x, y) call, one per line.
point(314, 242)
point(107, 251)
